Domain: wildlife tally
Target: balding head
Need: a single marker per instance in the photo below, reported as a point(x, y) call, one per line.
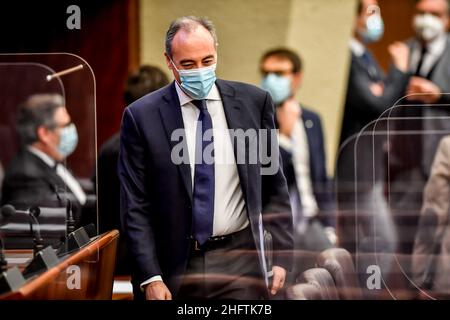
point(188, 25)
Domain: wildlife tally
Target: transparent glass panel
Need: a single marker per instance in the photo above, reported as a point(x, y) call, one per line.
point(47, 153)
point(392, 199)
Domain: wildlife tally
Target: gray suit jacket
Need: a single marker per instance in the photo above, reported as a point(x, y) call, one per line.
point(434, 117)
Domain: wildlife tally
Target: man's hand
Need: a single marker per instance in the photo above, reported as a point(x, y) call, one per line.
point(287, 116)
point(399, 53)
point(377, 89)
point(279, 277)
point(157, 291)
point(423, 90)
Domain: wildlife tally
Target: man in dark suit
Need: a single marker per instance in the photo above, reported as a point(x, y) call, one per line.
point(370, 92)
point(302, 151)
point(37, 175)
point(141, 82)
point(193, 203)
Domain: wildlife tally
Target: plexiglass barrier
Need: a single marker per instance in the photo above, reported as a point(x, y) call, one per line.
point(47, 150)
point(392, 186)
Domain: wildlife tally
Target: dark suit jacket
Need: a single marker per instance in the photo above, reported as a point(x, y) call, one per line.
point(361, 106)
point(156, 194)
point(108, 185)
point(317, 166)
point(108, 198)
point(29, 181)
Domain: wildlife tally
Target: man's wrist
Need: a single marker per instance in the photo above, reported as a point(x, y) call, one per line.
point(149, 281)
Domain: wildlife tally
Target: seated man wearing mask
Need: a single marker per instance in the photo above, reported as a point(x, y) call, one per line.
point(36, 176)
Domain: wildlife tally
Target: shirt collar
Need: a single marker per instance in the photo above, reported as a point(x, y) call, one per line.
point(185, 99)
point(357, 47)
point(43, 156)
point(437, 46)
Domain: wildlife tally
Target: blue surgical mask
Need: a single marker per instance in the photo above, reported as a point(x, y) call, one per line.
point(68, 141)
point(197, 82)
point(279, 87)
point(374, 29)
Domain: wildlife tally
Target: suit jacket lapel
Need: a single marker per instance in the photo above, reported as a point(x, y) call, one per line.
point(172, 119)
point(235, 120)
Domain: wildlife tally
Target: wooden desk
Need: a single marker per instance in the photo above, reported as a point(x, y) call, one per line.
point(95, 262)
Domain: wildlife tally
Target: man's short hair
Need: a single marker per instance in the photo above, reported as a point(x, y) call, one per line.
point(188, 23)
point(447, 1)
point(38, 110)
point(143, 81)
point(284, 53)
point(359, 7)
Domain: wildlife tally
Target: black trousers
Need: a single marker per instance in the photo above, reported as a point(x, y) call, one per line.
point(228, 269)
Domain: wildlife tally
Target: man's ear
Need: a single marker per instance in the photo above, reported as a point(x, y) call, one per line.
point(297, 80)
point(446, 23)
point(168, 61)
point(43, 134)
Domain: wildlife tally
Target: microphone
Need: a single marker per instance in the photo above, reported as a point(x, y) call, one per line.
point(70, 221)
point(32, 213)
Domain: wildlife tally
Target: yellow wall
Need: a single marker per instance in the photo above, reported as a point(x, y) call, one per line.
point(318, 29)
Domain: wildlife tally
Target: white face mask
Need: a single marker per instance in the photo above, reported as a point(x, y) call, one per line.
point(428, 27)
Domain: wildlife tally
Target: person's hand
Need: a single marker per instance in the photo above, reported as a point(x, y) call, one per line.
point(279, 277)
point(330, 233)
point(377, 89)
point(423, 90)
point(399, 53)
point(157, 291)
point(287, 116)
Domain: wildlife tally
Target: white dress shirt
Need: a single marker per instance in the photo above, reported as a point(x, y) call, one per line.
point(298, 146)
point(356, 47)
point(230, 213)
point(435, 49)
point(63, 173)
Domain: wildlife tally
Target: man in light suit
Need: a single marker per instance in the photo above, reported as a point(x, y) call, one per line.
point(302, 150)
point(430, 58)
point(411, 156)
point(187, 214)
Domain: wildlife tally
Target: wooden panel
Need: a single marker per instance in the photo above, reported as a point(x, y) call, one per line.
point(96, 262)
